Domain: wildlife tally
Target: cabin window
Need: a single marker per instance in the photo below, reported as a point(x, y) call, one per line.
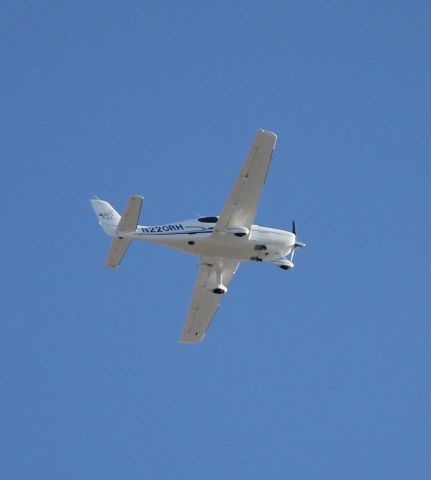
point(208, 219)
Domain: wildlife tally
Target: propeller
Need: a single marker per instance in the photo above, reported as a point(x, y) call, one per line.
point(297, 244)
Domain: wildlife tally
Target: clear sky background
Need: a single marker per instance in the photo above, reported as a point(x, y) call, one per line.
point(319, 372)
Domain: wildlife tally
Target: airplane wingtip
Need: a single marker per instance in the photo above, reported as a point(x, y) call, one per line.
point(269, 133)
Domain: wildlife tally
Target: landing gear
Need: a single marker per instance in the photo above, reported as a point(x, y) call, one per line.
point(219, 291)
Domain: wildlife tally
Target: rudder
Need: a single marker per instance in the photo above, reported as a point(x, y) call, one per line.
point(108, 217)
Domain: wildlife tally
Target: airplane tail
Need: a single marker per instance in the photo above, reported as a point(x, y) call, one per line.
point(118, 226)
point(108, 217)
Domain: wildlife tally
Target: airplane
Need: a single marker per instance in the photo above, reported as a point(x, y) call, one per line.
point(222, 242)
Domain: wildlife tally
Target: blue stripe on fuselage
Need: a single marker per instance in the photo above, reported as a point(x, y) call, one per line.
point(173, 229)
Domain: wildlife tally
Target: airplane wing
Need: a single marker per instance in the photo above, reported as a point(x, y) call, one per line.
point(204, 302)
point(240, 208)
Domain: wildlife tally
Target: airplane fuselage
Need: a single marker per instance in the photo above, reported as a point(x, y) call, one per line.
point(195, 237)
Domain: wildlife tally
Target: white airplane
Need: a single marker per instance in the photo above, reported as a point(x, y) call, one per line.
point(222, 242)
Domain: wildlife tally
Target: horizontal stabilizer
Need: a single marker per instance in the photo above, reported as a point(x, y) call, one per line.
point(129, 219)
point(118, 249)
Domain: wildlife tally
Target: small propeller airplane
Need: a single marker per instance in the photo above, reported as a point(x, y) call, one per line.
point(222, 242)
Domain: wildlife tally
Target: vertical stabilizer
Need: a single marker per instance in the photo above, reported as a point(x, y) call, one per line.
point(108, 217)
point(118, 226)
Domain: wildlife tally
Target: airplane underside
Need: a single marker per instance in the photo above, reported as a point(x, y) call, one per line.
point(221, 242)
point(255, 248)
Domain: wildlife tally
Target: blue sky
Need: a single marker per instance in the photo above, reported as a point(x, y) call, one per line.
point(319, 372)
